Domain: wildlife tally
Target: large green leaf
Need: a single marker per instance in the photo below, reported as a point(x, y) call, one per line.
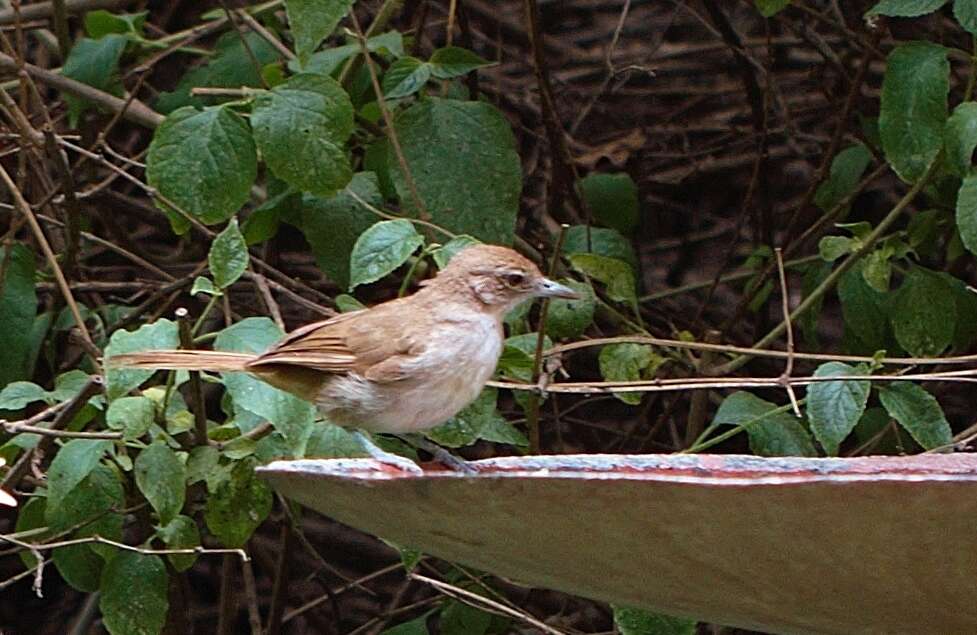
point(617, 276)
point(18, 306)
point(381, 249)
point(291, 416)
point(914, 107)
point(632, 621)
point(581, 239)
point(863, 310)
point(161, 478)
point(134, 594)
point(239, 505)
point(73, 462)
point(627, 362)
point(834, 407)
point(570, 318)
point(228, 256)
point(231, 66)
point(966, 13)
point(924, 313)
point(961, 137)
point(180, 533)
point(906, 8)
point(772, 431)
point(301, 128)
point(846, 171)
point(967, 212)
point(405, 77)
point(161, 334)
point(96, 63)
point(312, 21)
point(612, 199)
point(332, 225)
point(918, 412)
point(203, 161)
point(462, 158)
point(479, 420)
point(132, 415)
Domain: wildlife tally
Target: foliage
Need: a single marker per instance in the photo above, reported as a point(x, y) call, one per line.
point(298, 157)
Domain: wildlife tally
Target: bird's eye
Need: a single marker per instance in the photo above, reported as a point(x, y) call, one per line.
point(514, 279)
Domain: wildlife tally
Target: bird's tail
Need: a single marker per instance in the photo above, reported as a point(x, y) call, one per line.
point(182, 360)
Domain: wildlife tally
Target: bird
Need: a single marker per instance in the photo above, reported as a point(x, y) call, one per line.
point(401, 367)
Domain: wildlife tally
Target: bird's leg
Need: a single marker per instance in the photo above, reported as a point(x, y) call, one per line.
point(440, 454)
point(388, 458)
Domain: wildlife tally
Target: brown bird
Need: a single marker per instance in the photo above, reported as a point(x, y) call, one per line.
point(403, 366)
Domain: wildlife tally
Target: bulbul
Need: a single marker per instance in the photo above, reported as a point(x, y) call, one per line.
point(400, 367)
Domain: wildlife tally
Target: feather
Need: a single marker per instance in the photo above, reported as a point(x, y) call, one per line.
point(182, 360)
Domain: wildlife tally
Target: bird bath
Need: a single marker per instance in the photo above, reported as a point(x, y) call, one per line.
point(794, 545)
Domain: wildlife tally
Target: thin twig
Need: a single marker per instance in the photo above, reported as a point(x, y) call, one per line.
point(785, 307)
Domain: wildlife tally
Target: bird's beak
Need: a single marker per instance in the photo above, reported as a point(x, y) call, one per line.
point(547, 288)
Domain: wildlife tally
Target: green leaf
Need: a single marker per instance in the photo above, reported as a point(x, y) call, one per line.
point(205, 286)
point(914, 107)
point(877, 269)
point(301, 128)
point(863, 309)
point(73, 462)
point(96, 63)
point(94, 503)
point(100, 23)
point(906, 8)
point(19, 394)
point(239, 505)
point(632, 621)
point(463, 160)
point(617, 276)
point(328, 61)
point(228, 257)
point(918, 412)
point(381, 249)
point(312, 21)
point(924, 313)
point(231, 66)
point(329, 441)
point(772, 430)
point(567, 319)
point(961, 138)
point(967, 212)
point(161, 478)
point(846, 171)
point(453, 61)
point(480, 420)
point(347, 303)
point(332, 225)
point(613, 200)
point(405, 77)
point(627, 362)
point(31, 516)
point(832, 248)
point(965, 11)
point(966, 315)
point(203, 460)
point(203, 161)
point(161, 334)
point(458, 618)
point(133, 597)
point(600, 241)
point(834, 407)
point(18, 307)
point(132, 415)
point(443, 254)
point(291, 416)
point(180, 533)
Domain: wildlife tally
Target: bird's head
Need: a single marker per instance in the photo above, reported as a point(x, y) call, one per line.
point(500, 278)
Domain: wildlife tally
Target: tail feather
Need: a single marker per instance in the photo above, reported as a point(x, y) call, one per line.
point(182, 360)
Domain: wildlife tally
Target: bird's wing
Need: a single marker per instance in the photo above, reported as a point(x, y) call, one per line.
point(319, 346)
point(359, 341)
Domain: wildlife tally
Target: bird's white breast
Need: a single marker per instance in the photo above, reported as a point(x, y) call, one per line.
point(443, 378)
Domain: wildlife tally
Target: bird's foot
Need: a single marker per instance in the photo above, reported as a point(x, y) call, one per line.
point(387, 458)
point(440, 455)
